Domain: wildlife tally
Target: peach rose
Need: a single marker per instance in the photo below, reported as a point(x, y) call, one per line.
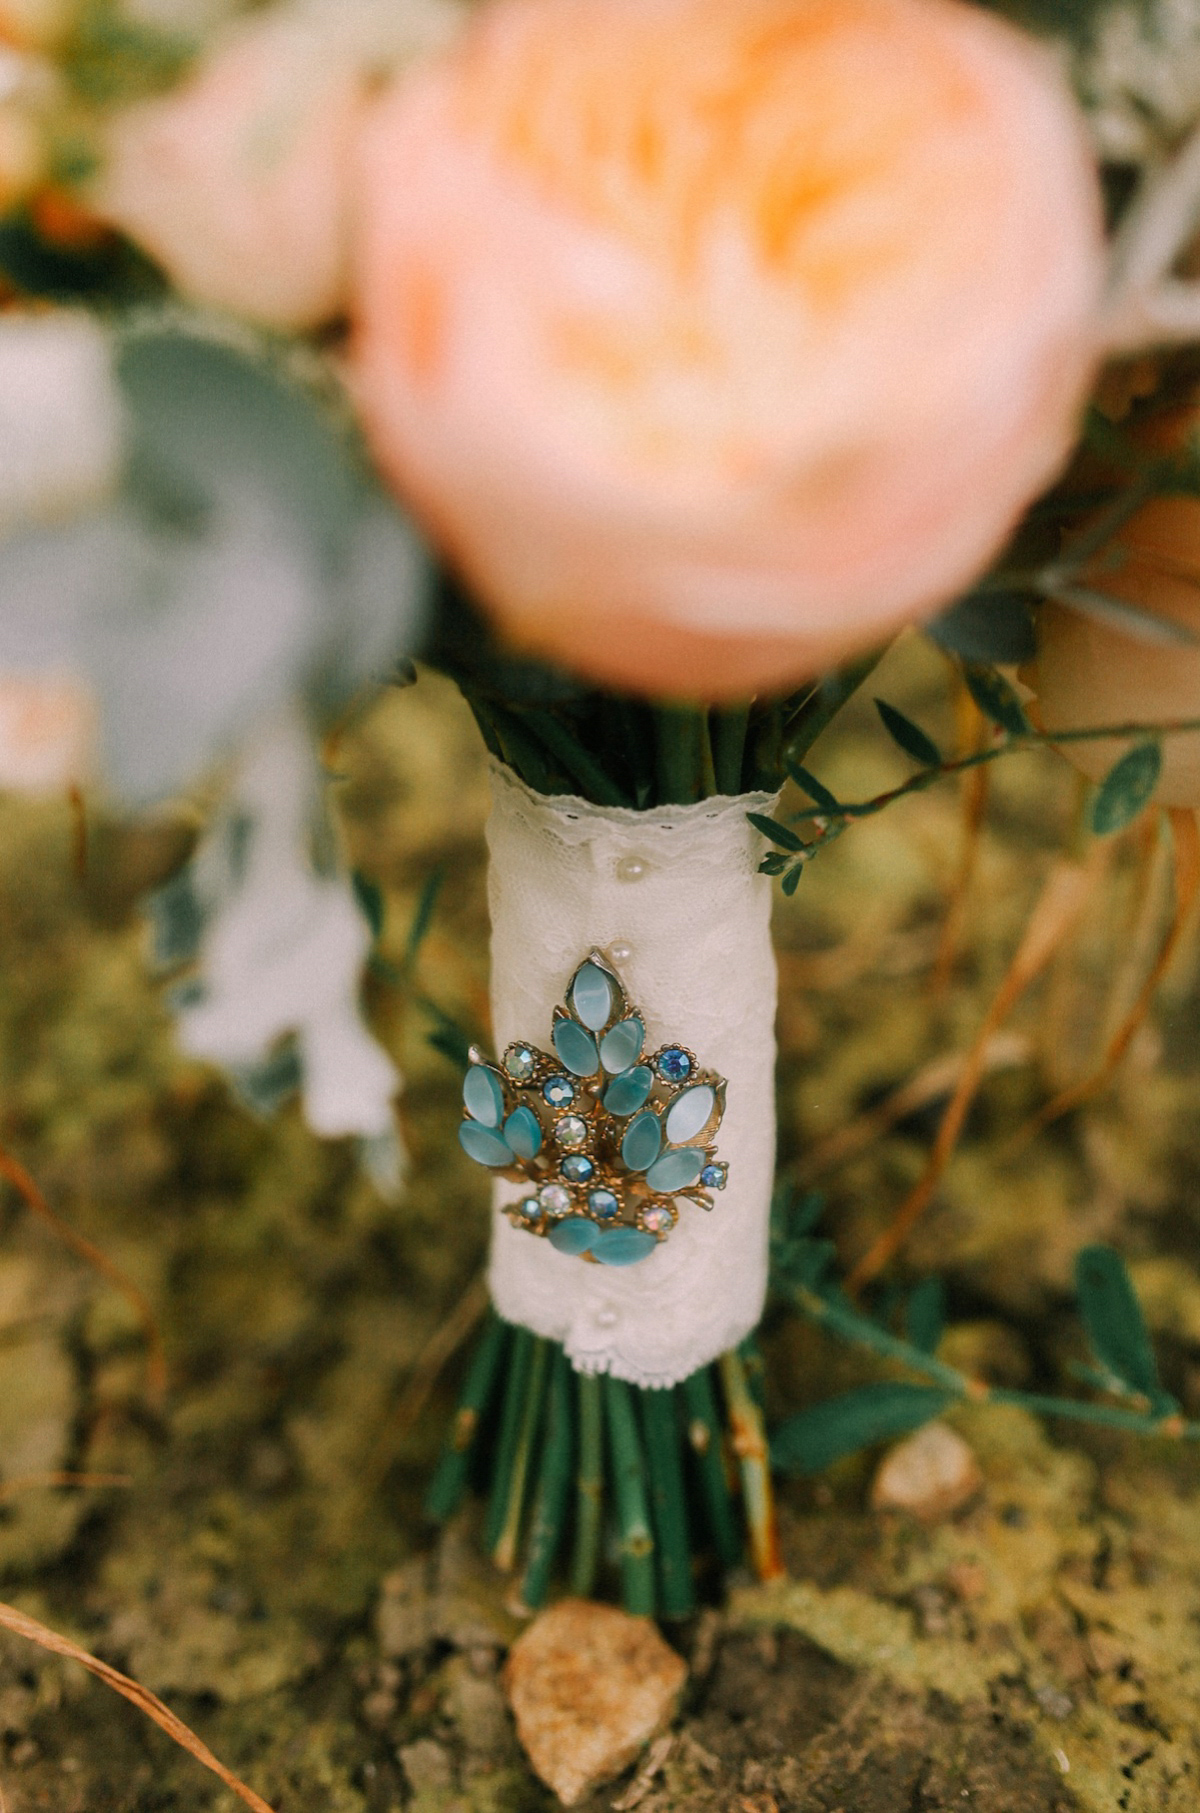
point(47, 732)
point(1087, 673)
point(237, 181)
point(714, 339)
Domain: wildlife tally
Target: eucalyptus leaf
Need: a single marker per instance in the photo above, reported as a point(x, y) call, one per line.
point(1126, 788)
point(809, 1442)
point(422, 918)
point(791, 880)
point(909, 736)
point(1116, 1329)
point(778, 834)
point(820, 795)
point(247, 560)
point(987, 627)
point(370, 898)
point(925, 1314)
point(996, 698)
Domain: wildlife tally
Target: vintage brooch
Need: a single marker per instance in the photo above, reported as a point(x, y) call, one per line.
point(606, 1138)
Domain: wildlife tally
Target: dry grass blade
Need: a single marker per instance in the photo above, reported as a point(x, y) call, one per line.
point(1186, 842)
point(1064, 895)
point(1002, 1051)
point(156, 1362)
point(149, 1703)
point(440, 1348)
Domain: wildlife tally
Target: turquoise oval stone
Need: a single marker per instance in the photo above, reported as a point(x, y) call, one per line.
point(689, 1114)
point(676, 1170)
point(483, 1145)
point(625, 1094)
point(622, 1246)
point(643, 1141)
point(574, 1236)
point(576, 1048)
point(523, 1132)
point(592, 996)
point(483, 1096)
point(622, 1046)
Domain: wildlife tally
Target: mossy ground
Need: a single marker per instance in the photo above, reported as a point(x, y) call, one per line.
point(266, 1569)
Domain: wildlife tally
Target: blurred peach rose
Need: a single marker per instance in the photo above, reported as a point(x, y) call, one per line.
point(1087, 673)
point(47, 732)
point(237, 181)
point(715, 340)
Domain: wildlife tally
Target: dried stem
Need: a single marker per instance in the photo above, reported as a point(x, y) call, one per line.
point(156, 1363)
point(23, 1626)
point(1064, 895)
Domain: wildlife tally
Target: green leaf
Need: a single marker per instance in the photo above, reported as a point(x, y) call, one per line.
point(371, 902)
point(791, 880)
point(1116, 1328)
point(1126, 788)
point(811, 1441)
point(925, 1314)
point(775, 863)
point(909, 736)
point(778, 834)
point(996, 699)
point(987, 626)
point(808, 783)
point(423, 916)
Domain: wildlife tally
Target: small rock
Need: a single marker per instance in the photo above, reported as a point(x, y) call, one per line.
point(930, 1475)
point(589, 1686)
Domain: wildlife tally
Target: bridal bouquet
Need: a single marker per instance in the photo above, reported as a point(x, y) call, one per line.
point(648, 365)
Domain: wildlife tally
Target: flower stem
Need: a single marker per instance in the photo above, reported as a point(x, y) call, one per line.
point(668, 1502)
point(450, 1481)
point(629, 1490)
point(504, 1550)
point(553, 1487)
point(704, 1439)
point(750, 1446)
point(589, 1488)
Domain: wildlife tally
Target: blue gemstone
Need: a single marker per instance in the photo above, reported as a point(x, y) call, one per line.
point(531, 1208)
point(592, 996)
point(623, 1045)
point(625, 1094)
point(574, 1236)
point(523, 1132)
point(483, 1096)
point(623, 1246)
point(483, 1145)
point(643, 1141)
point(576, 1048)
point(559, 1091)
point(674, 1064)
point(603, 1204)
point(577, 1168)
point(676, 1170)
point(714, 1177)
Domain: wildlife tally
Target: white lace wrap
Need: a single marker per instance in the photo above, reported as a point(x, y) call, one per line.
point(673, 896)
